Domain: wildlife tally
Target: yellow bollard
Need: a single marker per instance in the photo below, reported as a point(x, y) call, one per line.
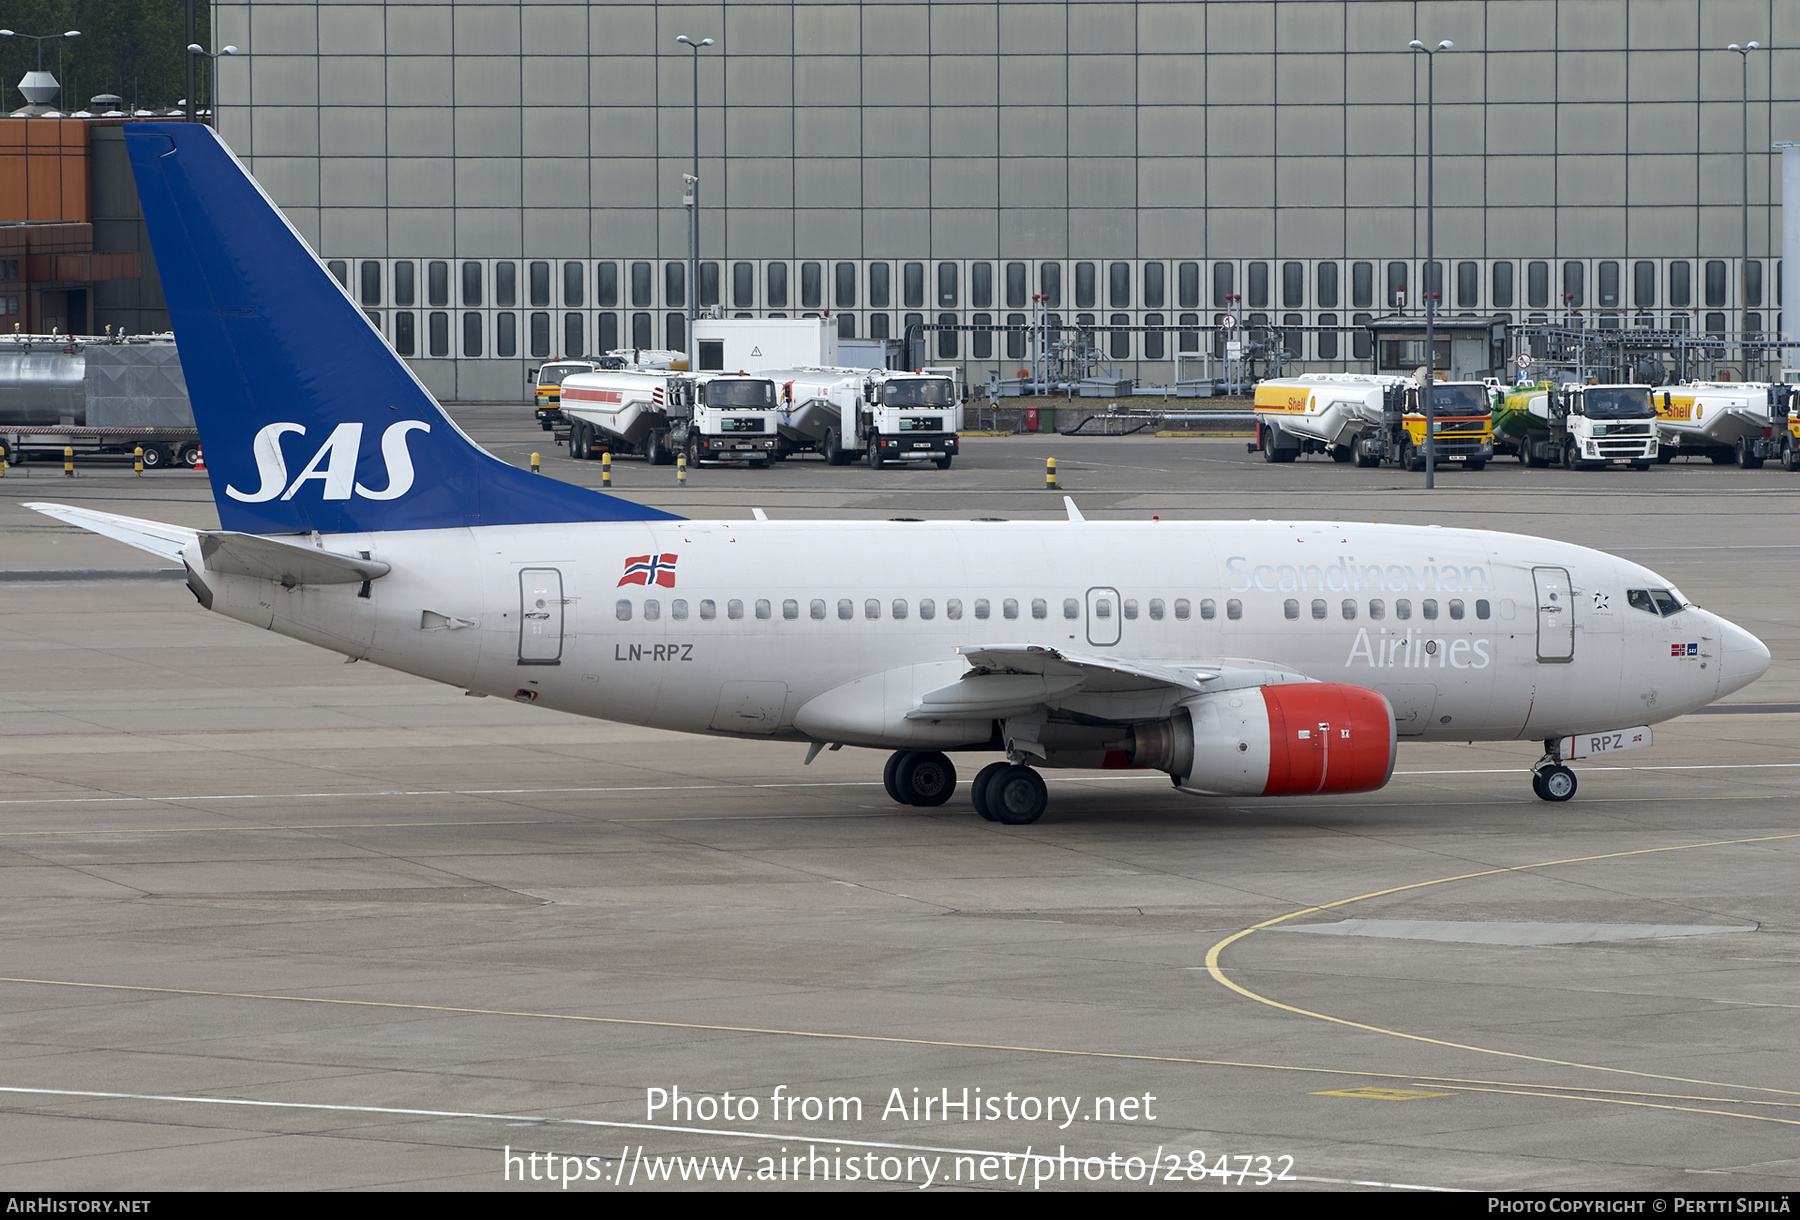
point(68, 461)
point(1050, 483)
point(606, 469)
point(681, 469)
point(137, 461)
point(534, 464)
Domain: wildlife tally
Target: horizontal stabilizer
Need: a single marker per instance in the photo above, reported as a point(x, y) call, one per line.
point(152, 536)
point(287, 563)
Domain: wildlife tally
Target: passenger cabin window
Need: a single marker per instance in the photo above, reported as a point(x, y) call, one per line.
point(1234, 609)
point(1040, 608)
point(623, 610)
point(1156, 608)
point(1290, 609)
point(734, 608)
point(678, 609)
point(846, 608)
point(927, 608)
point(1010, 607)
point(652, 610)
point(899, 607)
point(1318, 608)
point(981, 607)
point(1130, 607)
point(1102, 607)
point(1402, 608)
point(1208, 610)
point(709, 609)
point(1428, 608)
point(790, 609)
point(872, 608)
point(953, 608)
point(818, 607)
point(1181, 609)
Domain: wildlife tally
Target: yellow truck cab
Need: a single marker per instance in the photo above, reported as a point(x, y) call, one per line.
point(548, 379)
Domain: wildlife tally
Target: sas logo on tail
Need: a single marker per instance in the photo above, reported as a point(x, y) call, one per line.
point(334, 464)
point(649, 570)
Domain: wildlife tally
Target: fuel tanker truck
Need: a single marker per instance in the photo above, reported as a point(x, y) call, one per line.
point(1371, 419)
point(1745, 422)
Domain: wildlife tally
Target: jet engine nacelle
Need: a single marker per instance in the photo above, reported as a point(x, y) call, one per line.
point(1292, 740)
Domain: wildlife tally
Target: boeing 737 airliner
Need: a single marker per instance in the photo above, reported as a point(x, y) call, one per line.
point(1244, 659)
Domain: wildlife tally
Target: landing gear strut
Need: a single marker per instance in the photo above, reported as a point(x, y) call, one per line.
point(1550, 779)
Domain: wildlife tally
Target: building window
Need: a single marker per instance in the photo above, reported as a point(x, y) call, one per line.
point(340, 271)
point(1085, 288)
point(812, 286)
point(1434, 282)
point(880, 325)
point(540, 335)
point(1292, 335)
point(371, 282)
point(1154, 340)
point(674, 284)
point(880, 285)
point(709, 285)
point(981, 285)
point(946, 338)
point(777, 284)
point(675, 330)
point(946, 285)
point(440, 334)
point(1153, 285)
point(606, 285)
point(1119, 341)
point(506, 284)
point(405, 288)
point(540, 283)
point(845, 295)
point(574, 290)
point(574, 336)
point(1537, 284)
point(1328, 336)
point(471, 345)
point(1328, 285)
point(1050, 284)
point(1362, 285)
point(1118, 286)
point(437, 283)
point(981, 342)
point(1715, 282)
point(471, 285)
point(1362, 343)
point(642, 286)
point(1753, 283)
point(1643, 284)
point(743, 285)
point(405, 341)
point(1608, 285)
point(1468, 285)
point(1503, 285)
point(506, 334)
point(846, 323)
point(1293, 285)
point(606, 332)
point(1574, 284)
point(1681, 283)
point(912, 285)
point(1189, 339)
point(1396, 285)
point(1187, 285)
point(1017, 285)
point(1256, 285)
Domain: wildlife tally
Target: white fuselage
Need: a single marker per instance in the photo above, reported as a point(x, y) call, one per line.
point(1530, 638)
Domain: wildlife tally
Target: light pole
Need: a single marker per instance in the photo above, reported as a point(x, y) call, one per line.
point(40, 39)
point(1744, 274)
point(212, 76)
point(39, 87)
point(1430, 253)
point(691, 197)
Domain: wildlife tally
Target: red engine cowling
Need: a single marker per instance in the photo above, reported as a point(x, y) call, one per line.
point(1292, 740)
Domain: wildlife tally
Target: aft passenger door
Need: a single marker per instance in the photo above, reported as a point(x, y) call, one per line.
point(1103, 616)
point(540, 616)
point(1555, 615)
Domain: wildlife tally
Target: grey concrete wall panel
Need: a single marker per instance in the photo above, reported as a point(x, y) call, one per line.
point(1175, 29)
point(438, 376)
point(1381, 79)
point(1240, 182)
point(1027, 232)
point(353, 182)
point(827, 29)
point(308, 223)
point(896, 29)
point(291, 27)
point(1460, 129)
point(1663, 23)
point(897, 80)
point(487, 80)
point(416, 233)
point(1378, 182)
point(1033, 131)
point(1672, 229)
point(491, 381)
point(481, 131)
point(1102, 29)
point(630, 29)
point(965, 80)
point(489, 182)
point(1240, 80)
point(626, 232)
point(287, 131)
point(421, 80)
point(1096, 131)
point(1171, 79)
point(290, 181)
point(965, 29)
point(750, 233)
point(1102, 80)
point(1310, 80)
point(1310, 130)
point(353, 80)
point(1663, 128)
point(965, 182)
point(1033, 80)
point(714, 174)
point(624, 131)
point(1382, 27)
point(830, 232)
point(1723, 22)
point(352, 131)
point(895, 232)
point(1669, 180)
point(553, 132)
point(487, 29)
point(1312, 181)
point(1098, 232)
point(1033, 29)
point(1242, 27)
point(415, 131)
point(964, 232)
point(419, 29)
point(1310, 25)
point(552, 30)
point(964, 131)
point(1034, 182)
point(1180, 131)
point(896, 182)
point(556, 232)
point(1721, 181)
point(361, 231)
point(1517, 232)
point(1590, 76)
point(630, 80)
point(1172, 182)
point(1527, 76)
point(1102, 182)
point(1665, 76)
point(616, 182)
point(1593, 127)
point(287, 80)
point(753, 29)
point(1592, 180)
point(754, 80)
point(1171, 232)
point(1377, 233)
point(1310, 233)
point(828, 132)
point(827, 80)
point(1522, 129)
point(1592, 23)
point(1596, 232)
point(1520, 182)
point(1240, 131)
point(827, 182)
point(754, 133)
point(489, 232)
point(1459, 233)
point(760, 182)
point(895, 131)
point(1522, 25)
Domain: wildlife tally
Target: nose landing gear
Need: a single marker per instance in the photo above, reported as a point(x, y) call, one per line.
point(1551, 780)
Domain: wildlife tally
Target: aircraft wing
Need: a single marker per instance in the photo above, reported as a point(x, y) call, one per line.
point(1017, 680)
point(151, 536)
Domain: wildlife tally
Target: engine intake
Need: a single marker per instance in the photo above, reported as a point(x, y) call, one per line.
point(1300, 739)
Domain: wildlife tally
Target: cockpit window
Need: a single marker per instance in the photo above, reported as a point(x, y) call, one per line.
point(1663, 602)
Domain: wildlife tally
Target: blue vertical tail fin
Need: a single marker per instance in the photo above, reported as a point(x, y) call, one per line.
point(309, 419)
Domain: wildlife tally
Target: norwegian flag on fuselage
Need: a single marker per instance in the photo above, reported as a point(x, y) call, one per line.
point(649, 570)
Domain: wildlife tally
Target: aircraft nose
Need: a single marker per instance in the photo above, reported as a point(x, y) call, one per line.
point(1742, 658)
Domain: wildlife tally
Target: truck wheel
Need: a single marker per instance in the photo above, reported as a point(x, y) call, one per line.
point(1476, 464)
point(1665, 454)
point(1267, 443)
point(874, 454)
point(189, 454)
point(1744, 458)
point(1790, 457)
point(578, 446)
point(155, 457)
point(1569, 460)
point(1722, 457)
point(656, 449)
point(943, 463)
point(1341, 453)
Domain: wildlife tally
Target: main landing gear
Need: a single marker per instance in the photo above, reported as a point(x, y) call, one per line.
point(1551, 780)
point(1002, 792)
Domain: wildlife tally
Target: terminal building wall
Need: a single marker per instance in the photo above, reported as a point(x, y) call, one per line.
point(502, 182)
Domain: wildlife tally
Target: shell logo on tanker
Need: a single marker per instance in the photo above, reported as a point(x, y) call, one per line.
point(1280, 398)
